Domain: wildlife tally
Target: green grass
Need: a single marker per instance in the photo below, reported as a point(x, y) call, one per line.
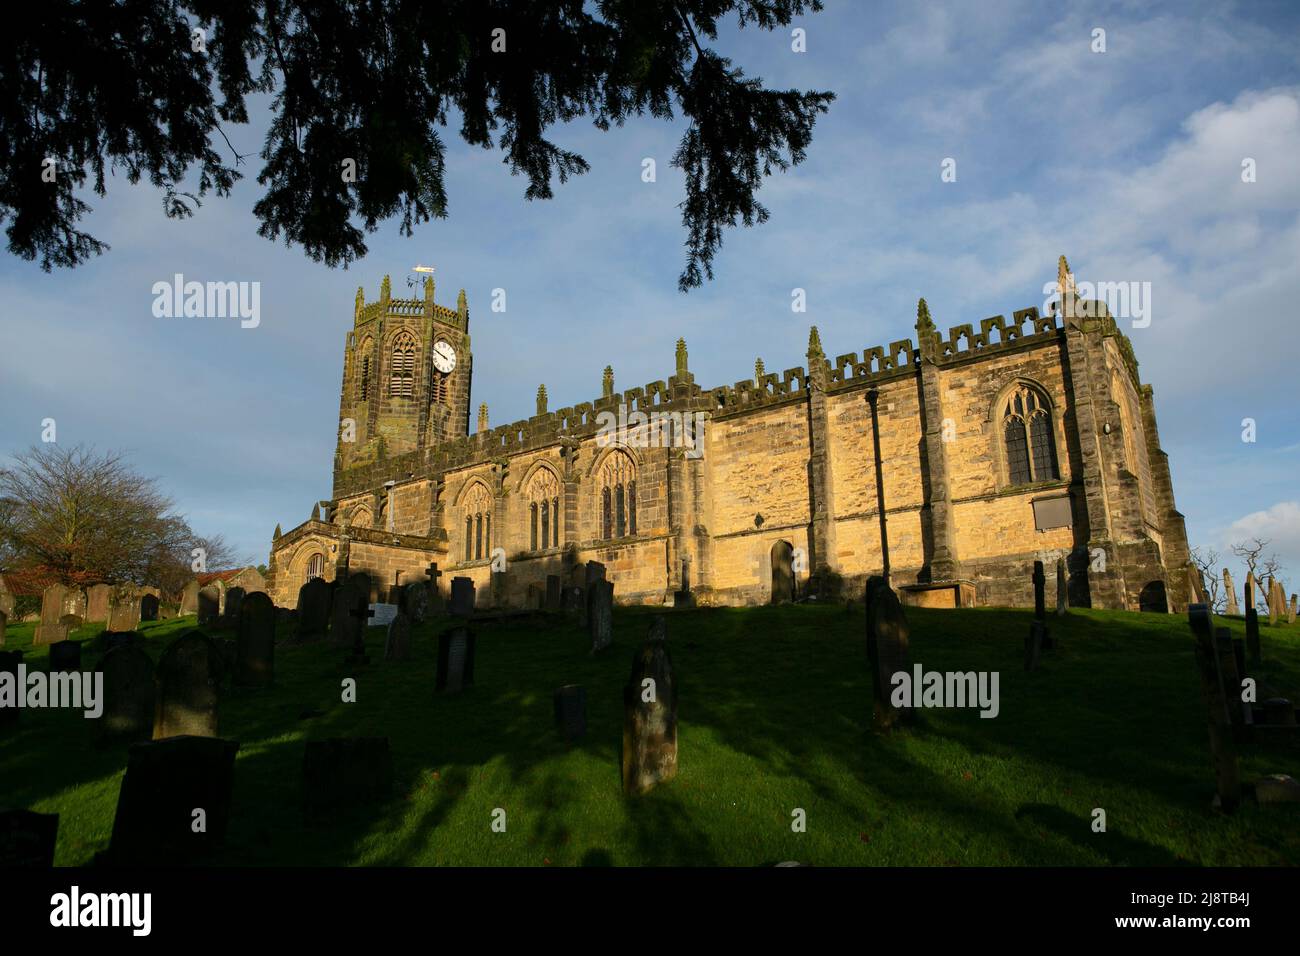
point(774, 714)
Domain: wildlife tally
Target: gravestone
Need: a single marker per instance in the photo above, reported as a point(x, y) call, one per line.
point(209, 608)
point(49, 630)
point(574, 605)
point(1252, 636)
point(190, 674)
point(313, 610)
point(65, 656)
point(1223, 753)
point(1248, 589)
point(165, 782)
point(658, 628)
point(344, 775)
point(435, 595)
point(1034, 645)
point(552, 592)
point(128, 696)
point(98, 597)
point(887, 650)
point(462, 596)
point(123, 610)
point(398, 645)
point(1290, 614)
point(600, 614)
point(1230, 677)
point(9, 661)
point(255, 645)
point(1062, 588)
point(782, 555)
point(455, 660)
point(415, 602)
point(593, 571)
point(27, 839)
point(148, 607)
point(649, 754)
point(234, 601)
point(74, 602)
point(190, 598)
point(71, 622)
point(1231, 591)
point(571, 712)
point(382, 614)
point(348, 615)
point(1040, 592)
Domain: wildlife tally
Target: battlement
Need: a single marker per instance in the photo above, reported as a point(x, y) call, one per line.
point(410, 308)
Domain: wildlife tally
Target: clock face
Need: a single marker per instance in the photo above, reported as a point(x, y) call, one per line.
point(444, 357)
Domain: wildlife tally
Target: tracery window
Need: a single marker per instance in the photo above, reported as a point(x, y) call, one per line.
point(544, 510)
point(618, 495)
point(1027, 430)
point(478, 523)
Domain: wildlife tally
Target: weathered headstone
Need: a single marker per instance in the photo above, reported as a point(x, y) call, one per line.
point(255, 662)
point(1062, 588)
point(1223, 753)
point(1252, 636)
point(1231, 591)
point(462, 596)
point(74, 602)
point(234, 601)
point(398, 645)
point(49, 630)
point(552, 592)
point(348, 616)
point(383, 614)
point(593, 571)
point(65, 656)
point(27, 839)
point(128, 695)
point(887, 650)
point(574, 604)
point(1230, 677)
point(571, 712)
point(782, 555)
point(1040, 592)
point(166, 782)
point(148, 607)
point(455, 660)
point(344, 775)
point(98, 598)
point(649, 754)
point(435, 595)
point(1290, 614)
point(123, 610)
point(9, 661)
point(190, 598)
point(415, 602)
point(600, 614)
point(209, 608)
point(1248, 589)
point(1034, 645)
point(313, 610)
point(190, 674)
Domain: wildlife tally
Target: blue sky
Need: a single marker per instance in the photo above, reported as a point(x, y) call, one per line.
point(1127, 161)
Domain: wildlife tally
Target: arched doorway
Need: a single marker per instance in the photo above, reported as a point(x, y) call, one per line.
point(1153, 598)
point(782, 572)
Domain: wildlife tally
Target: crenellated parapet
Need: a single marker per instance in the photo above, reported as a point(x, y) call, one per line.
point(423, 307)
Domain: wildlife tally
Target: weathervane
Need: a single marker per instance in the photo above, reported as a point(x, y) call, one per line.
point(416, 275)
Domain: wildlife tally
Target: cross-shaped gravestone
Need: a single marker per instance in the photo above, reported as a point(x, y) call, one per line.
point(432, 573)
point(363, 614)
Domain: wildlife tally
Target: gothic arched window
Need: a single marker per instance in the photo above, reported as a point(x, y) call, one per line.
point(401, 372)
point(618, 495)
point(544, 509)
point(1027, 430)
point(477, 506)
point(316, 566)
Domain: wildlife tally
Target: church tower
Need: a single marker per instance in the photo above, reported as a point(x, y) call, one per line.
point(406, 377)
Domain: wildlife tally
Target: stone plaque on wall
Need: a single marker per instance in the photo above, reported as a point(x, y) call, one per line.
point(1052, 513)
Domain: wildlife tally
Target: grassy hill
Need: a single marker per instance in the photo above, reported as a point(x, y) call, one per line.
point(774, 715)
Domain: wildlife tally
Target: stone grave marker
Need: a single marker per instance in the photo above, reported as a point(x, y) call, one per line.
point(313, 610)
point(65, 656)
point(455, 660)
point(1231, 591)
point(782, 555)
point(1230, 678)
point(435, 595)
point(1252, 636)
point(398, 645)
point(1290, 614)
point(71, 622)
point(887, 650)
point(1040, 592)
point(27, 839)
point(658, 628)
point(1034, 645)
point(165, 782)
point(593, 571)
point(190, 598)
point(1223, 753)
point(209, 604)
point(415, 602)
point(123, 610)
point(345, 775)
point(649, 753)
point(234, 601)
point(190, 674)
point(571, 712)
point(574, 604)
point(600, 614)
point(255, 645)
point(348, 615)
point(1062, 588)
point(98, 597)
point(552, 592)
point(462, 596)
point(383, 614)
point(128, 696)
point(148, 607)
point(49, 630)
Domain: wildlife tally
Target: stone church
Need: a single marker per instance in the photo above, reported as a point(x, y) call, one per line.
point(950, 463)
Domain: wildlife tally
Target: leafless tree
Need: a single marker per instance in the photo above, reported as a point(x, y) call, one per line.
point(1206, 561)
point(1262, 567)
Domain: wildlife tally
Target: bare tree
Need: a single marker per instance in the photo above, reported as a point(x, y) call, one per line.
point(1262, 567)
point(1206, 561)
point(86, 516)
